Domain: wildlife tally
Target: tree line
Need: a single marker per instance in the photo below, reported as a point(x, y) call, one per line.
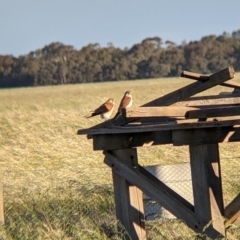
point(57, 63)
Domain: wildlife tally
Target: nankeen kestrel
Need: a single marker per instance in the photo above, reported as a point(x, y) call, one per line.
point(105, 110)
point(126, 102)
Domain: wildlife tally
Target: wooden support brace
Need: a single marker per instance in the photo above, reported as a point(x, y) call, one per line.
point(207, 187)
point(205, 136)
point(130, 140)
point(128, 198)
point(157, 190)
point(232, 211)
point(175, 137)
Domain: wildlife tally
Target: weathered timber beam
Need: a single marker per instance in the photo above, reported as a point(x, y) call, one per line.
point(207, 187)
point(160, 127)
point(213, 112)
point(192, 89)
point(175, 137)
point(209, 120)
point(157, 191)
point(181, 111)
point(131, 140)
point(205, 136)
point(170, 111)
point(200, 77)
point(213, 100)
point(232, 211)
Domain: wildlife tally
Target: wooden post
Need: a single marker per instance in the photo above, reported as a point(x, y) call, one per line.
point(207, 187)
point(128, 198)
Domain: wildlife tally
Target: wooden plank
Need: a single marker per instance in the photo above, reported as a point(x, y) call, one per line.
point(231, 84)
point(128, 198)
point(175, 137)
point(192, 89)
point(232, 211)
point(160, 127)
point(208, 120)
point(181, 111)
point(131, 140)
point(170, 111)
point(157, 190)
point(200, 77)
point(213, 100)
point(213, 112)
point(207, 187)
point(205, 136)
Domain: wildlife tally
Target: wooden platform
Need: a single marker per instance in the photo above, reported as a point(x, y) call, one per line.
point(177, 118)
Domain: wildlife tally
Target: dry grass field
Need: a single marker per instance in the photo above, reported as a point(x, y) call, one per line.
point(55, 185)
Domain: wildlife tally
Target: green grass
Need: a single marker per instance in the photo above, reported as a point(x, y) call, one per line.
point(55, 185)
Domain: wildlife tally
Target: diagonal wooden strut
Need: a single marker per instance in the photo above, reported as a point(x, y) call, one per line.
point(157, 190)
point(192, 89)
point(232, 211)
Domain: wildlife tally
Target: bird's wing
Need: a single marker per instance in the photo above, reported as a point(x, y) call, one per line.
point(124, 103)
point(102, 109)
point(108, 106)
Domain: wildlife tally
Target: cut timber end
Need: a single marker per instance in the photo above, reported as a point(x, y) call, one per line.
point(227, 73)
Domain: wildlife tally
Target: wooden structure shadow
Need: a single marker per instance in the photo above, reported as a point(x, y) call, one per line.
point(179, 119)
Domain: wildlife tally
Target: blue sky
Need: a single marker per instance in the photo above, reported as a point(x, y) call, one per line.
point(26, 25)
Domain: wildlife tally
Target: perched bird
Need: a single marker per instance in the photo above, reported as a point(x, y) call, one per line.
point(105, 110)
point(126, 102)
